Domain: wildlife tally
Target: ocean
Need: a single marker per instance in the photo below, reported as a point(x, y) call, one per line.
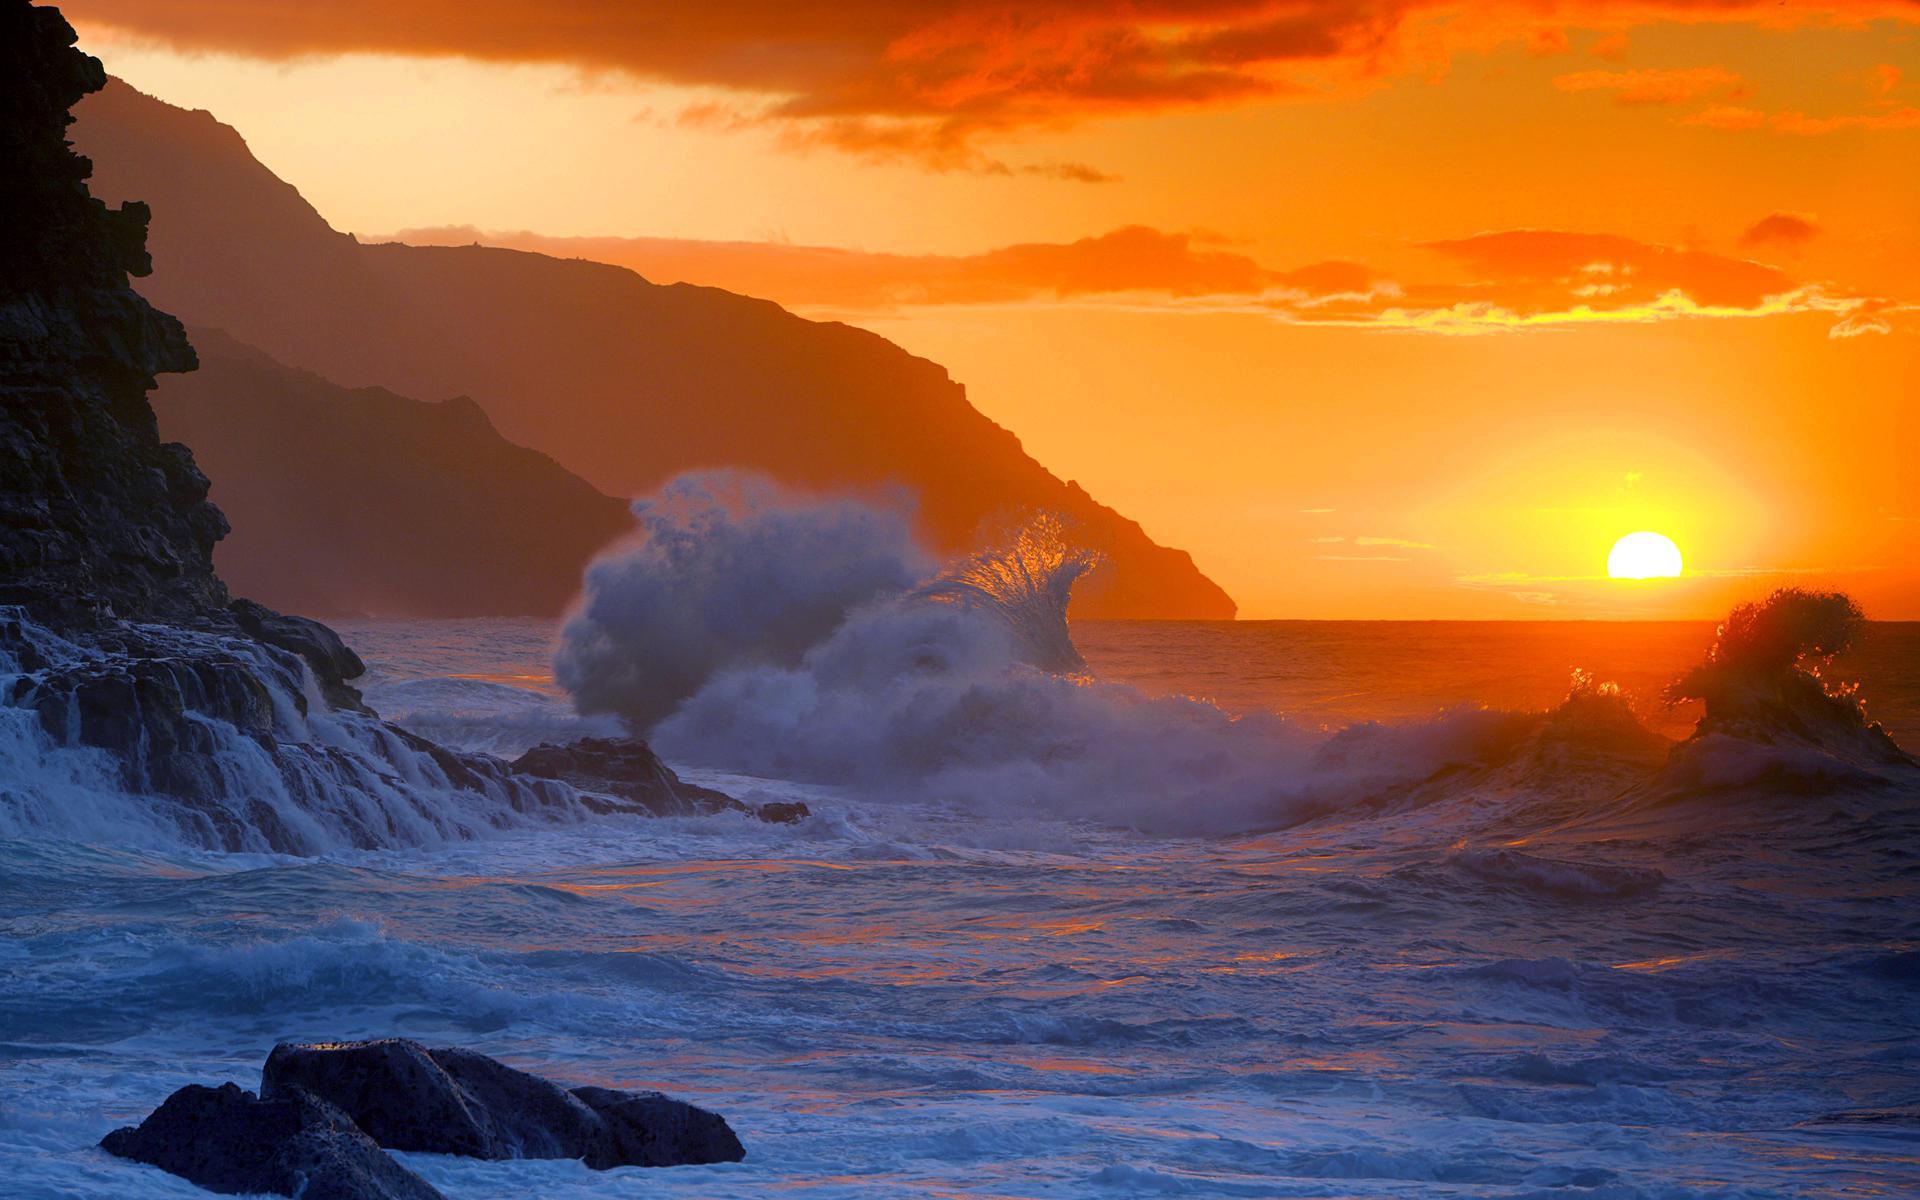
point(1462, 948)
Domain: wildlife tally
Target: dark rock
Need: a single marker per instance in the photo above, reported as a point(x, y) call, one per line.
point(629, 770)
point(648, 1129)
point(783, 812)
point(97, 516)
point(332, 661)
point(114, 628)
point(449, 1101)
point(228, 1140)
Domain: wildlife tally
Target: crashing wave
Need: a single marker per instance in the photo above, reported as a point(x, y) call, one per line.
point(732, 570)
point(1024, 581)
point(966, 689)
point(1762, 680)
point(1773, 722)
point(161, 736)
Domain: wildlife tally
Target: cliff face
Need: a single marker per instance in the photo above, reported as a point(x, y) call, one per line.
point(623, 381)
point(362, 501)
point(98, 518)
point(138, 704)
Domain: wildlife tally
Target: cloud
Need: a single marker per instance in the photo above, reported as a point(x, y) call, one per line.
point(1613, 47)
point(1791, 230)
point(1883, 114)
point(1727, 117)
point(1134, 259)
point(1905, 116)
point(1493, 281)
point(1653, 86)
point(930, 79)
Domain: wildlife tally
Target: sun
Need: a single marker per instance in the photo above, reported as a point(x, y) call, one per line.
point(1644, 556)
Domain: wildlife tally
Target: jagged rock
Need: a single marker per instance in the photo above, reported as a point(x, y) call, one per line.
point(228, 1140)
point(332, 661)
point(648, 1129)
point(97, 517)
point(450, 1101)
point(628, 769)
point(114, 628)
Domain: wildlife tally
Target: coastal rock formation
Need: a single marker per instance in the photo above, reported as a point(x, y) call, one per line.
point(629, 769)
point(623, 381)
point(451, 1101)
point(351, 501)
point(98, 518)
point(138, 700)
point(230, 1141)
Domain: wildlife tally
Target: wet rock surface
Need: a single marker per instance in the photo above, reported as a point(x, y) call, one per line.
point(628, 770)
point(228, 1140)
point(231, 723)
point(450, 1101)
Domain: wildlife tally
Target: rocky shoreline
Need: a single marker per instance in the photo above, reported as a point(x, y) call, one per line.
point(125, 665)
point(126, 669)
point(326, 1115)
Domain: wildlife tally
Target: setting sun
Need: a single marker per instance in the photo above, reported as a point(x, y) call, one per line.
point(1644, 556)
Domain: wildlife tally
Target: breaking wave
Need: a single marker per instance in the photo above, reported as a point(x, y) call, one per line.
point(962, 686)
point(731, 571)
point(169, 737)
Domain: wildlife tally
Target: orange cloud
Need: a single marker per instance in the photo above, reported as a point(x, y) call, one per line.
point(1130, 260)
point(928, 79)
point(1904, 117)
point(1504, 280)
point(1652, 86)
point(1613, 47)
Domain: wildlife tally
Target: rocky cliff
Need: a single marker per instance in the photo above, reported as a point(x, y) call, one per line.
point(622, 381)
point(357, 500)
point(139, 704)
point(98, 518)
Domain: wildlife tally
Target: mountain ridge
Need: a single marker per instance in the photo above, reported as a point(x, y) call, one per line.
point(351, 502)
point(622, 381)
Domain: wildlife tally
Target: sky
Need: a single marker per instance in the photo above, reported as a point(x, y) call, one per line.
point(1381, 309)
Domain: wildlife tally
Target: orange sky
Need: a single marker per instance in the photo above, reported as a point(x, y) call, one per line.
point(1391, 309)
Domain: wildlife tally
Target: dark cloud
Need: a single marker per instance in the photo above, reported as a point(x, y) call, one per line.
point(927, 79)
point(1791, 230)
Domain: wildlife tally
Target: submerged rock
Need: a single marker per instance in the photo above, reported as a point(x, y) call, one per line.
point(628, 769)
point(449, 1101)
point(228, 1140)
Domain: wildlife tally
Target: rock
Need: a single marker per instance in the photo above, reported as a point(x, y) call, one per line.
point(115, 630)
point(628, 769)
point(449, 1101)
point(648, 1129)
point(333, 663)
point(228, 1140)
point(783, 812)
point(97, 515)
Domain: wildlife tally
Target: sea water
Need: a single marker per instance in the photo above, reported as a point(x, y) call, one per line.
point(1462, 989)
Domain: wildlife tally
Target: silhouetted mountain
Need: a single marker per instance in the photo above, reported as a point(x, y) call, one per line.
point(360, 501)
point(621, 380)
